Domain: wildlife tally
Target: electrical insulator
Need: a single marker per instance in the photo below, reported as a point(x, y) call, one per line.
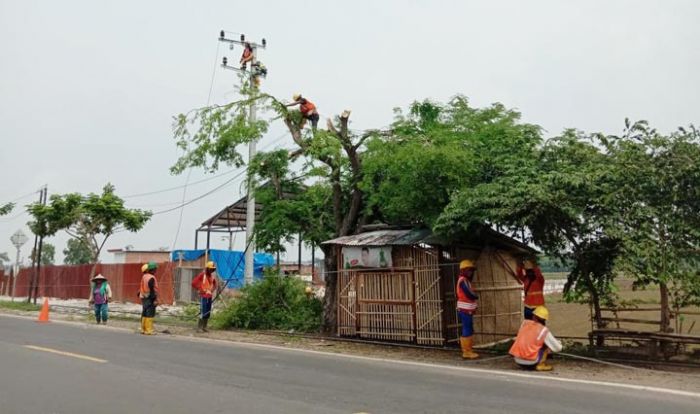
point(221, 34)
point(225, 60)
point(242, 37)
point(264, 43)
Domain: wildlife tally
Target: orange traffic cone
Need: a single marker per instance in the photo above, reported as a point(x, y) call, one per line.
point(44, 314)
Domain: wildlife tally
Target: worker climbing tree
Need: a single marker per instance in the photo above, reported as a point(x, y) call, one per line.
point(307, 109)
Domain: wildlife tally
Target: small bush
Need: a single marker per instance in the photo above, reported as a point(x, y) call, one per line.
point(275, 302)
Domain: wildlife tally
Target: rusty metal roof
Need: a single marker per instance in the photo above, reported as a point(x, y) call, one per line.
point(481, 235)
point(383, 238)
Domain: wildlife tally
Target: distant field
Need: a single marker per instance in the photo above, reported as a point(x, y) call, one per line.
point(573, 319)
point(555, 275)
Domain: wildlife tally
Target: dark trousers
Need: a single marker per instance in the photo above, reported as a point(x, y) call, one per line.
point(205, 307)
point(148, 308)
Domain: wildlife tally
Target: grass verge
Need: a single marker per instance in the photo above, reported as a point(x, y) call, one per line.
point(21, 306)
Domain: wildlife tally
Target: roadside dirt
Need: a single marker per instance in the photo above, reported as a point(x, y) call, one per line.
point(685, 379)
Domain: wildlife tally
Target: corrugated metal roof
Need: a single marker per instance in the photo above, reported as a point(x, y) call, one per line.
point(383, 238)
point(480, 236)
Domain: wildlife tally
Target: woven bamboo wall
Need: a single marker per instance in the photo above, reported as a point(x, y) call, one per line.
point(415, 301)
point(385, 305)
point(429, 303)
point(347, 302)
point(403, 304)
point(500, 296)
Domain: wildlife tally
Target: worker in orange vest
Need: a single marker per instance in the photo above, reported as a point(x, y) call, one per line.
point(307, 109)
point(148, 293)
point(466, 306)
point(531, 277)
point(206, 285)
point(247, 56)
point(534, 342)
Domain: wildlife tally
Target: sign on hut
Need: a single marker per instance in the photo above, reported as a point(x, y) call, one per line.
point(399, 285)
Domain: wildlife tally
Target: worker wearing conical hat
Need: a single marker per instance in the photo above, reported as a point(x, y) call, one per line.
point(466, 306)
point(148, 293)
point(531, 277)
point(100, 295)
point(535, 342)
point(206, 285)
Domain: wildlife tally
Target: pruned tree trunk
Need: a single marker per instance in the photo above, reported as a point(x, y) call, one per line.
point(665, 323)
point(330, 298)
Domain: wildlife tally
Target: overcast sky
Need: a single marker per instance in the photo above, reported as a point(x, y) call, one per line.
point(88, 88)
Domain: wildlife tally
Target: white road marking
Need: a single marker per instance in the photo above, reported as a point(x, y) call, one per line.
point(68, 354)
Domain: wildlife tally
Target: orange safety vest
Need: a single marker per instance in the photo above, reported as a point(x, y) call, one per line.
point(143, 290)
point(207, 286)
point(464, 302)
point(307, 107)
point(529, 341)
point(246, 54)
point(534, 290)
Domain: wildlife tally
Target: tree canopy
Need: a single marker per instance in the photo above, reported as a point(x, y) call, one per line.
point(48, 254)
point(76, 253)
point(603, 204)
point(91, 219)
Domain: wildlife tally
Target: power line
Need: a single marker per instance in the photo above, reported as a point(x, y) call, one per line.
point(215, 189)
point(22, 197)
point(165, 190)
point(189, 172)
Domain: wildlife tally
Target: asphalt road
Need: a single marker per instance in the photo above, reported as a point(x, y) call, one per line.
point(73, 369)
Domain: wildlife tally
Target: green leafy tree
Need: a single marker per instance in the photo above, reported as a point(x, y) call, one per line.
point(658, 196)
point(436, 149)
point(76, 253)
point(48, 253)
point(333, 154)
point(91, 219)
point(6, 208)
point(4, 258)
point(559, 197)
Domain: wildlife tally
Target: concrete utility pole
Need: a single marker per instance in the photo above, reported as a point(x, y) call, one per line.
point(250, 206)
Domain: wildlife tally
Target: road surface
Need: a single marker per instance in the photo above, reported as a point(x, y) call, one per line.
point(74, 369)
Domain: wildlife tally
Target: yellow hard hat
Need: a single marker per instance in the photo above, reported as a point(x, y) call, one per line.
point(528, 264)
point(541, 312)
point(296, 96)
point(466, 263)
point(308, 289)
point(211, 265)
point(144, 267)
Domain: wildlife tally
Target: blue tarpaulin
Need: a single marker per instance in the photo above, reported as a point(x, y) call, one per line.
point(230, 265)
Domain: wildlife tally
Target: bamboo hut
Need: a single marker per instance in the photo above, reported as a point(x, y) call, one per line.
point(399, 285)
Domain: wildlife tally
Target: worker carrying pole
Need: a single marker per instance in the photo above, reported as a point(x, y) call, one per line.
point(307, 109)
point(466, 306)
point(530, 275)
point(535, 342)
point(206, 284)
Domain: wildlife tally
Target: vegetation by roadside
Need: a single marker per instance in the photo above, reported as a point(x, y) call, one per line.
point(19, 305)
point(272, 303)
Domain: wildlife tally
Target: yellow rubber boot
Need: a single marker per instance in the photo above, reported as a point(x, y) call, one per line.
point(143, 325)
point(466, 343)
point(542, 366)
point(148, 324)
